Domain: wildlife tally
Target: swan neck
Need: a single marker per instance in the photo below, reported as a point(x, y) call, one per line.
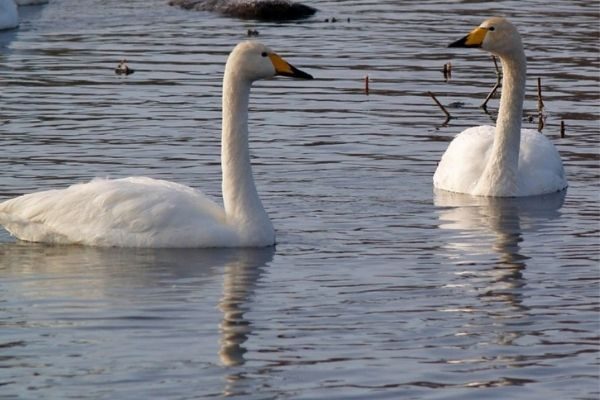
point(243, 207)
point(514, 69)
point(501, 172)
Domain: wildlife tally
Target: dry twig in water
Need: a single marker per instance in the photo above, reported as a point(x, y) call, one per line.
point(447, 71)
point(496, 86)
point(448, 116)
point(540, 105)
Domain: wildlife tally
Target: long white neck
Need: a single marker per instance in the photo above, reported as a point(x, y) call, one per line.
point(499, 177)
point(243, 207)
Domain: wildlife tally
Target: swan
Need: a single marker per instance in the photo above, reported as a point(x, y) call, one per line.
point(504, 161)
point(9, 16)
point(146, 212)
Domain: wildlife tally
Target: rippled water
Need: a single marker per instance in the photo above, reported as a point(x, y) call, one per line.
point(378, 288)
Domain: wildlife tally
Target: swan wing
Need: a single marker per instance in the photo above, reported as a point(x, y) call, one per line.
point(128, 212)
point(464, 160)
point(540, 166)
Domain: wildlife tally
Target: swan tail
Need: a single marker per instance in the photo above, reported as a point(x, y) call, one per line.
point(31, 231)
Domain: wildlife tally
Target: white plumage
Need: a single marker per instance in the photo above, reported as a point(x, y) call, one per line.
point(503, 161)
point(128, 212)
point(145, 212)
point(9, 14)
point(539, 168)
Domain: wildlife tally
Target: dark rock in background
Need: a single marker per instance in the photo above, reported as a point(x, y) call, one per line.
point(263, 10)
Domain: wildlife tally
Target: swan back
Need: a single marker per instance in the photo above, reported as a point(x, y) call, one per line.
point(128, 212)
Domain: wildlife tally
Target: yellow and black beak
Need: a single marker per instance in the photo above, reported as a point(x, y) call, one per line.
point(284, 68)
point(473, 39)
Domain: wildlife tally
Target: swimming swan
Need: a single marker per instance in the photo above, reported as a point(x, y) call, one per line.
point(502, 161)
point(145, 212)
point(9, 16)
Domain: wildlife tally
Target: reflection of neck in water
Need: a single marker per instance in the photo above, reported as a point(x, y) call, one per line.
point(93, 272)
point(239, 283)
point(505, 223)
point(496, 282)
point(505, 219)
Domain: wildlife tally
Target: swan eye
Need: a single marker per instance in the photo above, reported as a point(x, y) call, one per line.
point(264, 54)
point(491, 28)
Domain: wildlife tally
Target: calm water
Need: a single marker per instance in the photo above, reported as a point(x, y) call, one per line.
point(378, 288)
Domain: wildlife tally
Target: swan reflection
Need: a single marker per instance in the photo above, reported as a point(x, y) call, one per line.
point(239, 283)
point(120, 285)
point(486, 238)
point(485, 225)
point(505, 219)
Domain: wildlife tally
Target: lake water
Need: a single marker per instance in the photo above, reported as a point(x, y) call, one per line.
point(378, 288)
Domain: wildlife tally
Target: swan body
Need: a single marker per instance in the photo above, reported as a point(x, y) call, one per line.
point(128, 212)
point(146, 212)
point(9, 16)
point(503, 161)
point(468, 154)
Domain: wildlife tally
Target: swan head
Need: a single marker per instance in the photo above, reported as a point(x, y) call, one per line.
point(496, 35)
point(252, 61)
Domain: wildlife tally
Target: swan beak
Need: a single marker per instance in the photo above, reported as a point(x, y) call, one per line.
point(473, 39)
point(284, 68)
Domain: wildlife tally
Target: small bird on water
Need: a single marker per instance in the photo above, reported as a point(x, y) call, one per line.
point(123, 68)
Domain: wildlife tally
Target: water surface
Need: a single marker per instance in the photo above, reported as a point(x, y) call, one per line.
point(379, 287)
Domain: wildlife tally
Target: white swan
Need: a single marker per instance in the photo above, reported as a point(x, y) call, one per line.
point(145, 212)
point(502, 161)
point(9, 16)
